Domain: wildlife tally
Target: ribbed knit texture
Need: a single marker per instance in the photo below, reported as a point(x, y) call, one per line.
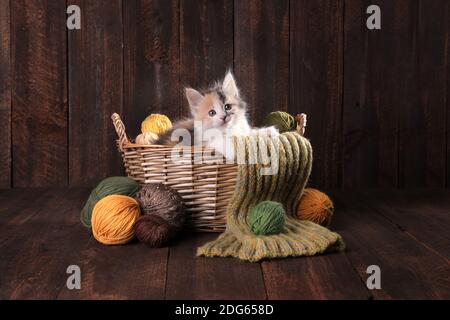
point(299, 238)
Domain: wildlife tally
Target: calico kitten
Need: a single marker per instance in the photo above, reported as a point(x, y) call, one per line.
point(218, 114)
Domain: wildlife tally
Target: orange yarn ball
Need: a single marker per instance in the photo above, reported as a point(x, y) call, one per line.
point(315, 206)
point(113, 219)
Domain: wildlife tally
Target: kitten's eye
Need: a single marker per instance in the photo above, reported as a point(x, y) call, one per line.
point(212, 113)
point(228, 107)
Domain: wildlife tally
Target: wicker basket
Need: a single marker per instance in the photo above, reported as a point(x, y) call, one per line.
point(205, 188)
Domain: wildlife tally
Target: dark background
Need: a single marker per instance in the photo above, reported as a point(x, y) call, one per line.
point(377, 101)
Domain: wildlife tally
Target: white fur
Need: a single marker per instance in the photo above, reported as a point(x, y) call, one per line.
point(229, 85)
point(221, 138)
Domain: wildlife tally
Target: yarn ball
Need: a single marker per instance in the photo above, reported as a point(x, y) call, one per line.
point(315, 206)
point(146, 138)
point(156, 123)
point(283, 121)
point(266, 218)
point(112, 185)
point(161, 200)
point(153, 230)
point(113, 219)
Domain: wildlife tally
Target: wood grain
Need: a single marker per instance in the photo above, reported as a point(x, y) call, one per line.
point(330, 276)
point(95, 91)
point(13, 201)
point(422, 159)
point(37, 246)
point(133, 271)
point(422, 213)
point(206, 44)
point(316, 82)
point(5, 95)
point(377, 100)
point(39, 93)
point(151, 61)
point(447, 98)
point(261, 55)
point(378, 77)
point(191, 277)
point(409, 269)
point(403, 232)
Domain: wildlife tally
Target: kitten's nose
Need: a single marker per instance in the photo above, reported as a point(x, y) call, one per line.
point(224, 118)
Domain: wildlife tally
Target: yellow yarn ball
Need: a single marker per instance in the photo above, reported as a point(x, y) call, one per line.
point(113, 219)
point(315, 206)
point(146, 138)
point(156, 123)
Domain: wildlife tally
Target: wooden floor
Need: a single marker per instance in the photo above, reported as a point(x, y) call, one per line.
point(405, 233)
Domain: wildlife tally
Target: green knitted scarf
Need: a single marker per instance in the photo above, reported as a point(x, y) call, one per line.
point(299, 238)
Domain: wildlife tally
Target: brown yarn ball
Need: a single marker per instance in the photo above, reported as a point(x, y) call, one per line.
point(153, 230)
point(315, 206)
point(161, 200)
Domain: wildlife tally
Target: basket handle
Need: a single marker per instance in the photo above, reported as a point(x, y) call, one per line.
point(301, 123)
point(120, 129)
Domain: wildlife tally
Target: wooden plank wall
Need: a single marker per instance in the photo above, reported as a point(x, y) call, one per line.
point(5, 95)
point(316, 82)
point(95, 91)
point(39, 93)
point(377, 101)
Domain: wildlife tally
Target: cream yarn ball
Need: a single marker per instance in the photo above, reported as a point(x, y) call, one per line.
point(146, 138)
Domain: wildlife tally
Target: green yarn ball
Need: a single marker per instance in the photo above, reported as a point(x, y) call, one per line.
point(266, 218)
point(109, 186)
point(283, 121)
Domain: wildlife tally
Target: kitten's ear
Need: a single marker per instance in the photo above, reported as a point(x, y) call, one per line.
point(229, 85)
point(194, 98)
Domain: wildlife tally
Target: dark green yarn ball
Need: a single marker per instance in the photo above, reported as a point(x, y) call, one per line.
point(266, 218)
point(281, 120)
point(109, 186)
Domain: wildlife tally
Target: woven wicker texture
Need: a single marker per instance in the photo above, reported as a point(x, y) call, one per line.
point(206, 189)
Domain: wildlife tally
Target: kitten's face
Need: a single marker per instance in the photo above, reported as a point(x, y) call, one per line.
point(220, 107)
